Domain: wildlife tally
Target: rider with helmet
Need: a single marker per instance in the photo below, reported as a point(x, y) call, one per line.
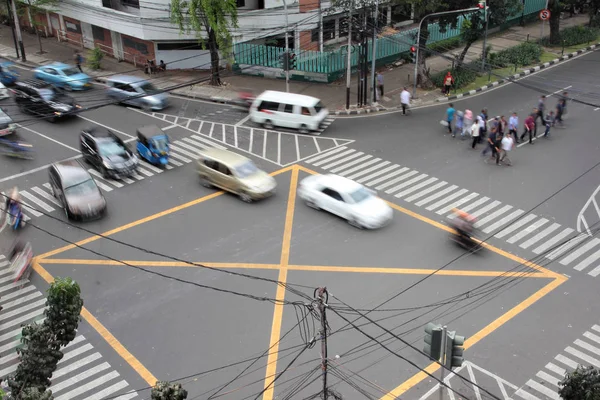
point(13, 198)
point(463, 223)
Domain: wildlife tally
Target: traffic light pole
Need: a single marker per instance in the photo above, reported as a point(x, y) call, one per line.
point(374, 55)
point(485, 33)
point(287, 47)
point(443, 359)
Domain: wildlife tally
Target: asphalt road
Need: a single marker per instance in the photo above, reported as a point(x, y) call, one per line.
point(177, 320)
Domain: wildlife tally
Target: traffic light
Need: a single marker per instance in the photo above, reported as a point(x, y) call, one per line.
point(454, 350)
point(482, 5)
point(284, 61)
point(433, 341)
point(413, 54)
point(292, 61)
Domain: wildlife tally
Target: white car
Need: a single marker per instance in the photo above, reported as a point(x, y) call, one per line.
point(3, 92)
point(347, 199)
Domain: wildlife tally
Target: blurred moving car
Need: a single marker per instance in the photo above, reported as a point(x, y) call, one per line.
point(40, 98)
point(236, 174)
point(136, 91)
point(77, 191)
point(64, 76)
point(3, 92)
point(8, 76)
point(7, 126)
point(347, 199)
point(107, 153)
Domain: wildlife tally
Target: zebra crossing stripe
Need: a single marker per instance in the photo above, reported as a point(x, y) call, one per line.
point(350, 164)
point(29, 208)
point(377, 173)
point(367, 170)
point(548, 378)
point(552, 241)
point(457, 203)
point(89, 386)
point(509, 229)
point(99, 179)
point(326, 154)
point(76, 365)
point(80, 377)
point(179, 157)
point(193, 149)
point(485, 209)
point(540, 236)
point(543, 389)
point(174, 162)
point(187, 153)
point(524, 395)
point(208, 142)
point(492, 216)
point(426, 191)
point(415, 187)
point(556, 369)
point(150, 167)
point(46, 195)
point(108, 391)
point(407, 183)
point(39, 304)
point(333, 157)
point(587, 346)
point(198, 147)
point(390, 175)
point(586, 263)
point(583, 356)
point(527, 231)
point(396, 180)
point(580, 251)
point(592, 337)
point(566, 361)
point(473, 205)
point(37, 201)
point(446, 199)
point(436, 195)
point(343, 160)
point(572, 242)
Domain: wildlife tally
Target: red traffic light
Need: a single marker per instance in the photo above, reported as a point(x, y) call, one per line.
point(480, 6)
point(413, 49)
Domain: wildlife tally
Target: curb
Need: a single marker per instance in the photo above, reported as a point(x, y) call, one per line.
point(519, 75)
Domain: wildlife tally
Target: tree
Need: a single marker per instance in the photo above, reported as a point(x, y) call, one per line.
point(64, 306)
point(212, 21)
point(168, 391)
point(555, 7)
point(35, 394)
point(594, 9)
point(581, 384)
point(38, 359)
point(37, 7)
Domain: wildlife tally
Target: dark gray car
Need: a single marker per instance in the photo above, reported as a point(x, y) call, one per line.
point(77, 191)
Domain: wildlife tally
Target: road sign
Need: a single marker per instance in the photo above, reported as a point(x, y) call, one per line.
point(545, 15)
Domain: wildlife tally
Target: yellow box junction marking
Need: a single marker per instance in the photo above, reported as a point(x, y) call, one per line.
point(284, 267)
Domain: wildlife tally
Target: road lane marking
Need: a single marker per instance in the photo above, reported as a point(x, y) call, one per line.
point(416, 271)
point(49, 138)
point(580, 251)
point(503, 221)
point(447, 199)
point(515, 225)
point(422, 193)
point(37, 201)
point(407, 183)
point(345, 169)
point(106, 126)
point(527, 231)
point(396, 180)
point(243, 120)
point(540, 236)
point(170, 127)
point(34, 170)
point(436, 195)
point(457, 203)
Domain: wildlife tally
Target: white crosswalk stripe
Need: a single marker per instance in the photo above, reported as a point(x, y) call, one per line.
point(36, 201)
point(583, 351)
point(503, 221)
point(82, 373)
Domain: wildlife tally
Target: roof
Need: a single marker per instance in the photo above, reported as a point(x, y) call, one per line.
point(126, 79)
point(224, 156)
point(57, 65)
point(72, 171)
point(150, 131)
point(339, 183)
point(283, 97)
point(99, 132)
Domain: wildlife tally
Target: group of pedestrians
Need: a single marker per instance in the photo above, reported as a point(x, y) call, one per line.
point(499, 135)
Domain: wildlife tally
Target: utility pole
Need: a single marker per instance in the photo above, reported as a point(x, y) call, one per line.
point(349, 55)
point(323, 298)
point(443, 360)
point(374, 53)
point(365, 61)
point(18, 30)
point(320, 28)
point(287, 47)
point(12, 27)
point(485, 33)
point(543, 22)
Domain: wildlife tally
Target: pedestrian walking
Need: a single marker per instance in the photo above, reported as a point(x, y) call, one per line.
point(450, 116)
point(502, 128)
point(483, 127)
point(549, 121)
point(380, 83)
point(513, 126)
point(491, 140)
point(467, 123)
point(560, 111)
point(405, 100)
point(507, 144)
point(448, 82)
point(458, 126)
point(529, 126)
point(541, 112)
point(475, 131)
point(78, 59)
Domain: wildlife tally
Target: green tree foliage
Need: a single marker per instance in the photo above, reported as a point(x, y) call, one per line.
point(581, 384)
point(594, 11)
point(38, 359)
point(64, 306)
point(95, 58)
point(168, 391)
point(35, 394)
point(212, 22)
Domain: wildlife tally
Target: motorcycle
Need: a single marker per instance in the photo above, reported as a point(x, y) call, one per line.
point(16, 148)
point(466, 240)
point(14, 216)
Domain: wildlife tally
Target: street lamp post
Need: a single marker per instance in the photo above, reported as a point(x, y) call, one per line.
point(485, 33)
point(287, 47)
point(419, 37)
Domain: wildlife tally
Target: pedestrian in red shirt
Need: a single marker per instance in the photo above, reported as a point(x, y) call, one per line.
point(529, 127)
point(448, 82)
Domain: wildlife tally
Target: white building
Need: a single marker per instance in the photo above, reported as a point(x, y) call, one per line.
point(140, 30)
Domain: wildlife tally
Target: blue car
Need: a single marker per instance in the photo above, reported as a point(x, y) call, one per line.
point(8, 76)
point(63, 76)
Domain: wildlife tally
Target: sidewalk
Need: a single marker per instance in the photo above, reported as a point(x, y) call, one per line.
point(334, 94)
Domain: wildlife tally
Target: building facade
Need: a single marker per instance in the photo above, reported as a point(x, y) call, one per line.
point(139, 30)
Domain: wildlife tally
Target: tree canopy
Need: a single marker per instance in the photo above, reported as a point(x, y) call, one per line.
point(581, 384)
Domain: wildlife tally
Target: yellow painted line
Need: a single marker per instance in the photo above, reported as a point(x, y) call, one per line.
point(106, 335)
point(271, 369)
point(470, 342)
point(414, 271)
point(549, 274)
point(144, 220)
point(141, 263)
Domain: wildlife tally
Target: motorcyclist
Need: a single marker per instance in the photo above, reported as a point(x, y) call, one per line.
point(17, 249)
point(13, 198)
point(463, 223)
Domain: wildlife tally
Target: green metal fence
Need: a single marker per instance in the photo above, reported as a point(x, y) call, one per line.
point(333, 63)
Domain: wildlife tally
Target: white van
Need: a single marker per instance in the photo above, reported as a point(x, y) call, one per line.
point(288, 110)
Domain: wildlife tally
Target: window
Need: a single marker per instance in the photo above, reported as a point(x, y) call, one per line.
point(241, 3)
point(98, 33)
point(179, 46)
point(305, 111)
point(318, 107)
point(343, 27)
point(131, 3)
point(49, 71)
point(212, 164)
point(288, 108)
point(73, 27)
point(82, 188)
point(360, 195)
point(268, 105)
point(110, 148)
point(333, 194)
point(314, 35)
point(71, 71)
point(329, 30)
point(224, 170)
point(132, 44)
point(246, 169)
